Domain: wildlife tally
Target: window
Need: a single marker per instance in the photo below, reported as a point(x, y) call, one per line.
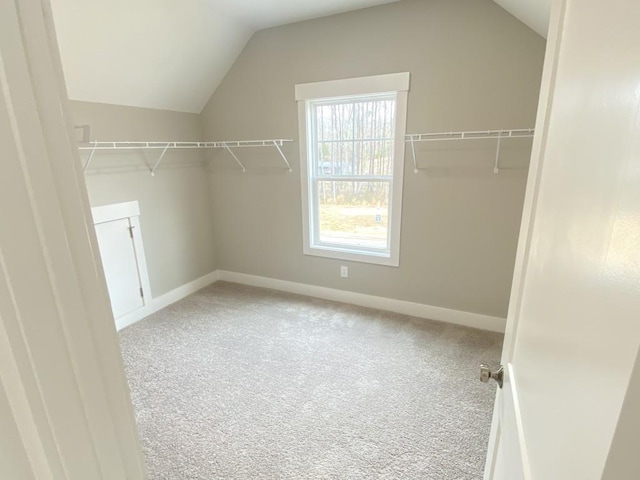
point(352, 157)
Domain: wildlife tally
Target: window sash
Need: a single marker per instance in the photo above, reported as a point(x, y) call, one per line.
point(314, 105)
point(383, 164)
point(315, 220)
point(354, 178)
point(313, 161)
point(357, 140)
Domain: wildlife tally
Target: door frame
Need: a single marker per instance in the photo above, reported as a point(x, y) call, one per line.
point(60, 362)
point(536, 165)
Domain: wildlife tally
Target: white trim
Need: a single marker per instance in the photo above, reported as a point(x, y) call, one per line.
point(397, 84)
point(467, 319)
point(420, 310)
point(304, 176)
point(536, 165)
point(129, 211)
point(392, 82)
point(494, 440)
point(141, 259)
point(545, 102)
point(397, 185)
point(519, 423)
point(351, 254)
point(167, 299)
point(116, 211)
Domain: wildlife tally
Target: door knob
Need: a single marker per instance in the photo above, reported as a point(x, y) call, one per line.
point(486, 373)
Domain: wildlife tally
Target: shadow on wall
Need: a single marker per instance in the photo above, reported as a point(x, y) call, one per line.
point(115, 162)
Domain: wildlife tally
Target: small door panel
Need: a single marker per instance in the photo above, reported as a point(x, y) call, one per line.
point(118, 255)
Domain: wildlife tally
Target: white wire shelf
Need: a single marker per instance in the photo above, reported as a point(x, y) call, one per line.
point(95, 146)
point(164, 146)
point(470, 135)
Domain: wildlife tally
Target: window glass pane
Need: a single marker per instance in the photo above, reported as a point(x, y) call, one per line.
point(335, 121)
point(353, 214)
point(355, 158)
point(354, 137)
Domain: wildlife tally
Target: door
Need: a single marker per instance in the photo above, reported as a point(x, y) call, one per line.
point(118, 253)
point(574, 318)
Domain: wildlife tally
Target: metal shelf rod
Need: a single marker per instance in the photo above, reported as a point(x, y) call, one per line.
point(126, 145)
point(472, 135)
point(165, 146)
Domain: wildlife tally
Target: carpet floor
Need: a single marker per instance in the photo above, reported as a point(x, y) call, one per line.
point(236, 382)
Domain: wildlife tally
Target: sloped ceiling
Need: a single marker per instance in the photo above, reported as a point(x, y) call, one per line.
point(172, 54)
point(534, 13)
point(166, 54)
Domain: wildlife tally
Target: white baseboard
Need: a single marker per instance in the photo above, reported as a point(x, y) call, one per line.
point(467, 319)
point(167, 299)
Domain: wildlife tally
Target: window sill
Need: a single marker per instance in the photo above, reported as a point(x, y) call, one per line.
point(353, 256)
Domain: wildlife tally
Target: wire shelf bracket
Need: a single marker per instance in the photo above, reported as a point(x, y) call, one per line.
point(235, 158)
point(472, 135)
point(275, 144)
point(496, 165)
point(157, 164)
point(90, 159)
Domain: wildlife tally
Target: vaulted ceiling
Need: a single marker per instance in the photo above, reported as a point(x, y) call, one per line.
point(534, 13)
point(172, 54)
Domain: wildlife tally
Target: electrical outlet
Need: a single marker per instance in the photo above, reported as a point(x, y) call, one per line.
point(344, 271)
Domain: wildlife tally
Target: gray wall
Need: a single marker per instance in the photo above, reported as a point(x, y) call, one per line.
point(175, 208)
point(473, 66)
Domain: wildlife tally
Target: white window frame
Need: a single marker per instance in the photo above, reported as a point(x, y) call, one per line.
point(395, 83)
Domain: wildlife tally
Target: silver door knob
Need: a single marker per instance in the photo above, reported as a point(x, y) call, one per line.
point(486, 374)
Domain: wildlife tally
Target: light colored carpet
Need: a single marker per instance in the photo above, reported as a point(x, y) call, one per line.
point(236, 382)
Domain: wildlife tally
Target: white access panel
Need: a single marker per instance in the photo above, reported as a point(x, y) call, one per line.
point(122, 253)
point(118, 254)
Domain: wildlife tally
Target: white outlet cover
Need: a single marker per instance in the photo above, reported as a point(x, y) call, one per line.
point(344, 271)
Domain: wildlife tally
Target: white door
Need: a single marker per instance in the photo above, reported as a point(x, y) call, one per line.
point(120, 264)
point(574, 318)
